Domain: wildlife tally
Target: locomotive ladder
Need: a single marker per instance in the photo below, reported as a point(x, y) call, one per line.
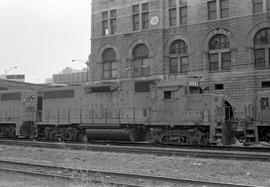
point(250, 134)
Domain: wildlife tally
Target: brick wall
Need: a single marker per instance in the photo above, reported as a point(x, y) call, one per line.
point(240, 83)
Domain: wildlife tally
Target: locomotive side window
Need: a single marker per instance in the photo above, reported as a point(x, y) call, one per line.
point(101, 89)
point(11, 97)
point(59, 94)
point(3, 89)
point(167, 95)
point(195, 90)
point(143, 86)
point(264, 103)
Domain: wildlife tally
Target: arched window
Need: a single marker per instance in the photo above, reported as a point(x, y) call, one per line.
point(141, 61)
point(219, 53)
point(262, 48)
point(178, 57)
point(109, 63)
point(219, 41)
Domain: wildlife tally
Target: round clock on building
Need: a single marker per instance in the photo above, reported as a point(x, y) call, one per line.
point(154, 20)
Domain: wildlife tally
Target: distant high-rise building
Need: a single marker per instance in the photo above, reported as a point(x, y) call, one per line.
point(69, 76)
point(49, 80)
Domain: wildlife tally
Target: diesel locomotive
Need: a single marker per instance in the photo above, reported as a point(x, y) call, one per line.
point(170, 111)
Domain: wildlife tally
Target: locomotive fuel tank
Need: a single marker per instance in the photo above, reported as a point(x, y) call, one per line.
point(108, 134)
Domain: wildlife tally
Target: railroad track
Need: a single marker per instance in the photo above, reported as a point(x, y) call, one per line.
point(104, 177)
point(252, 155)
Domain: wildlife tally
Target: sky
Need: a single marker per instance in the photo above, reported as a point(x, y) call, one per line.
point(41, 37)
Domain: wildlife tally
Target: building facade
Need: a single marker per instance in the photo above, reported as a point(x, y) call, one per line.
point(225, 42)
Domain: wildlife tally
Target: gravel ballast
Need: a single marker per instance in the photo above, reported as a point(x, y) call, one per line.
point(233, 171)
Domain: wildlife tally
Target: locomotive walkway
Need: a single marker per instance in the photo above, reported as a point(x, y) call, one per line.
point(239, 153)
point(103, 177)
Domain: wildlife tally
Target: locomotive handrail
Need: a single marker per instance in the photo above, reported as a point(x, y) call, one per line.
point(89, 116)
point(127, 115)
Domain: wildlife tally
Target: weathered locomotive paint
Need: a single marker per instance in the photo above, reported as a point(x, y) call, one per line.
point(165, 111)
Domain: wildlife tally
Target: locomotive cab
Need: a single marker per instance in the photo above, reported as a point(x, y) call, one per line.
point(182, 114)
point(263, 116)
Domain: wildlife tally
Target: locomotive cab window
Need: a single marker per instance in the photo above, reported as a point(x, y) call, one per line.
point(265, 103)
point(169, 95)
point(195, 90)
point(143, 86)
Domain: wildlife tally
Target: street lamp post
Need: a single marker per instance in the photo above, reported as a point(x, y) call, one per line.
point(7, 70)
point(87, 68)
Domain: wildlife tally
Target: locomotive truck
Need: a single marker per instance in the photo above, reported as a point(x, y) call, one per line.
point(171, 111)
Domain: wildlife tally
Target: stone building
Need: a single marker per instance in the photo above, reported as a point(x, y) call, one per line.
point(225, 42)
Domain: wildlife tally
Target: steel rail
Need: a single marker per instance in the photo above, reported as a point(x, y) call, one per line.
point(160, 151)
point(262, 148)
point(95, 175)
point(59, 176)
